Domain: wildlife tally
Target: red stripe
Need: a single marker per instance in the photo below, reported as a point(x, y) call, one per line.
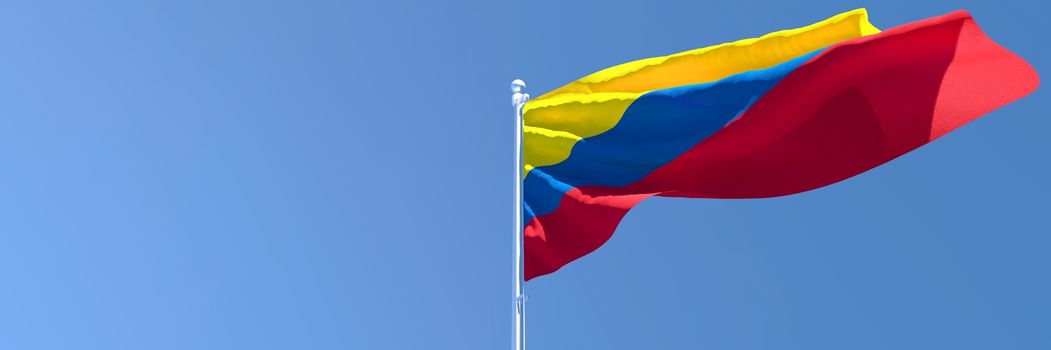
point(856, 106)
point(582, 223)
point(859, 104)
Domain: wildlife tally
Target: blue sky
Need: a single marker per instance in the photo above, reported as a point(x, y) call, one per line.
point(337, 175)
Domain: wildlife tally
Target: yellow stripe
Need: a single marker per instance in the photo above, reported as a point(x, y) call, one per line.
point(555, 121)
point(573, 116)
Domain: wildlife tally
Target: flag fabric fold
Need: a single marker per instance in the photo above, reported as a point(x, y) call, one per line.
point(784, 113)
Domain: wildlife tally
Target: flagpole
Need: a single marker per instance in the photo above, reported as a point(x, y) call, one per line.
point(518, 100)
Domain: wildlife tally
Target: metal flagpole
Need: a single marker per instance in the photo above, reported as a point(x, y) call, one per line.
point(518, 99)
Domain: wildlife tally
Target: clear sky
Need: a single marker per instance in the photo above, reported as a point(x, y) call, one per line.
point(338, 175)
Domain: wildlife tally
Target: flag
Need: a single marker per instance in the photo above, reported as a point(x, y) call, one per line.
point(784, 113)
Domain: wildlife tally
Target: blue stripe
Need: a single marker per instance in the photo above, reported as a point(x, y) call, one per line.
point(527, 214)
point(542, 192)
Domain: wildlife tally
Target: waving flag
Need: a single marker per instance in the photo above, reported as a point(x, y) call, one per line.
point(788, 112)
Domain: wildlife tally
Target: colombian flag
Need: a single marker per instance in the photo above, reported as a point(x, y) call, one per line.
point(784, 113)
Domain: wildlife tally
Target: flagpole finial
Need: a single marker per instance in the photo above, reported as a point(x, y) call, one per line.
point(520, 97)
